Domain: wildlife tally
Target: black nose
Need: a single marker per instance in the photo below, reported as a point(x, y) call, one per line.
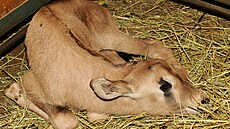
point(205, 101)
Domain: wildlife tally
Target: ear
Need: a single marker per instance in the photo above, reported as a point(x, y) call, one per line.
point(107, 90)
point(181, 73)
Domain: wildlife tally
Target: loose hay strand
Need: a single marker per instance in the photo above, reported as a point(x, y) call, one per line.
point(203, 47)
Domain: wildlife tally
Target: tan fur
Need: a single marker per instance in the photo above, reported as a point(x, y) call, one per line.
point(94, 27)
point(70, 72)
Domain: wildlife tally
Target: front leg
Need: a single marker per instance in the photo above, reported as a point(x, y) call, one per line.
point(16, 93)
point(59, 117)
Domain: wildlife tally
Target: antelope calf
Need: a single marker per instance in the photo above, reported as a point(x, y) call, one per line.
point(71, 47)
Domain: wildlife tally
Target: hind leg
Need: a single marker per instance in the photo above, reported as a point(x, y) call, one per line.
point(15, 93)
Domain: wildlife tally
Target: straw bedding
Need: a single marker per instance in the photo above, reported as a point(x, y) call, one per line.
point(200, 41)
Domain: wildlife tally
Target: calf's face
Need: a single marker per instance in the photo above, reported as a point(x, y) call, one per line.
point(156, 88)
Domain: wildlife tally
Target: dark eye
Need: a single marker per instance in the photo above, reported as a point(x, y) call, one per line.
point(165, 86)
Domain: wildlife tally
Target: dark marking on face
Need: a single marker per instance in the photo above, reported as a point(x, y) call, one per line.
point(169, 97)
point(40, 25)
point(169, 94)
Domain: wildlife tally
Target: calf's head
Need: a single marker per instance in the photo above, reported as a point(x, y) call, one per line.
point(156, 88)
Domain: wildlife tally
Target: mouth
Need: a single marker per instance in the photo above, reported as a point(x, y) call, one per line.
point(192, 110)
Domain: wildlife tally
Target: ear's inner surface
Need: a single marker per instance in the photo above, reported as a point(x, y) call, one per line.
point(120, 87)
point(106, 89)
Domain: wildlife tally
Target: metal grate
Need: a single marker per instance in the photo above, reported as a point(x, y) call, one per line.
point(219, 8)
